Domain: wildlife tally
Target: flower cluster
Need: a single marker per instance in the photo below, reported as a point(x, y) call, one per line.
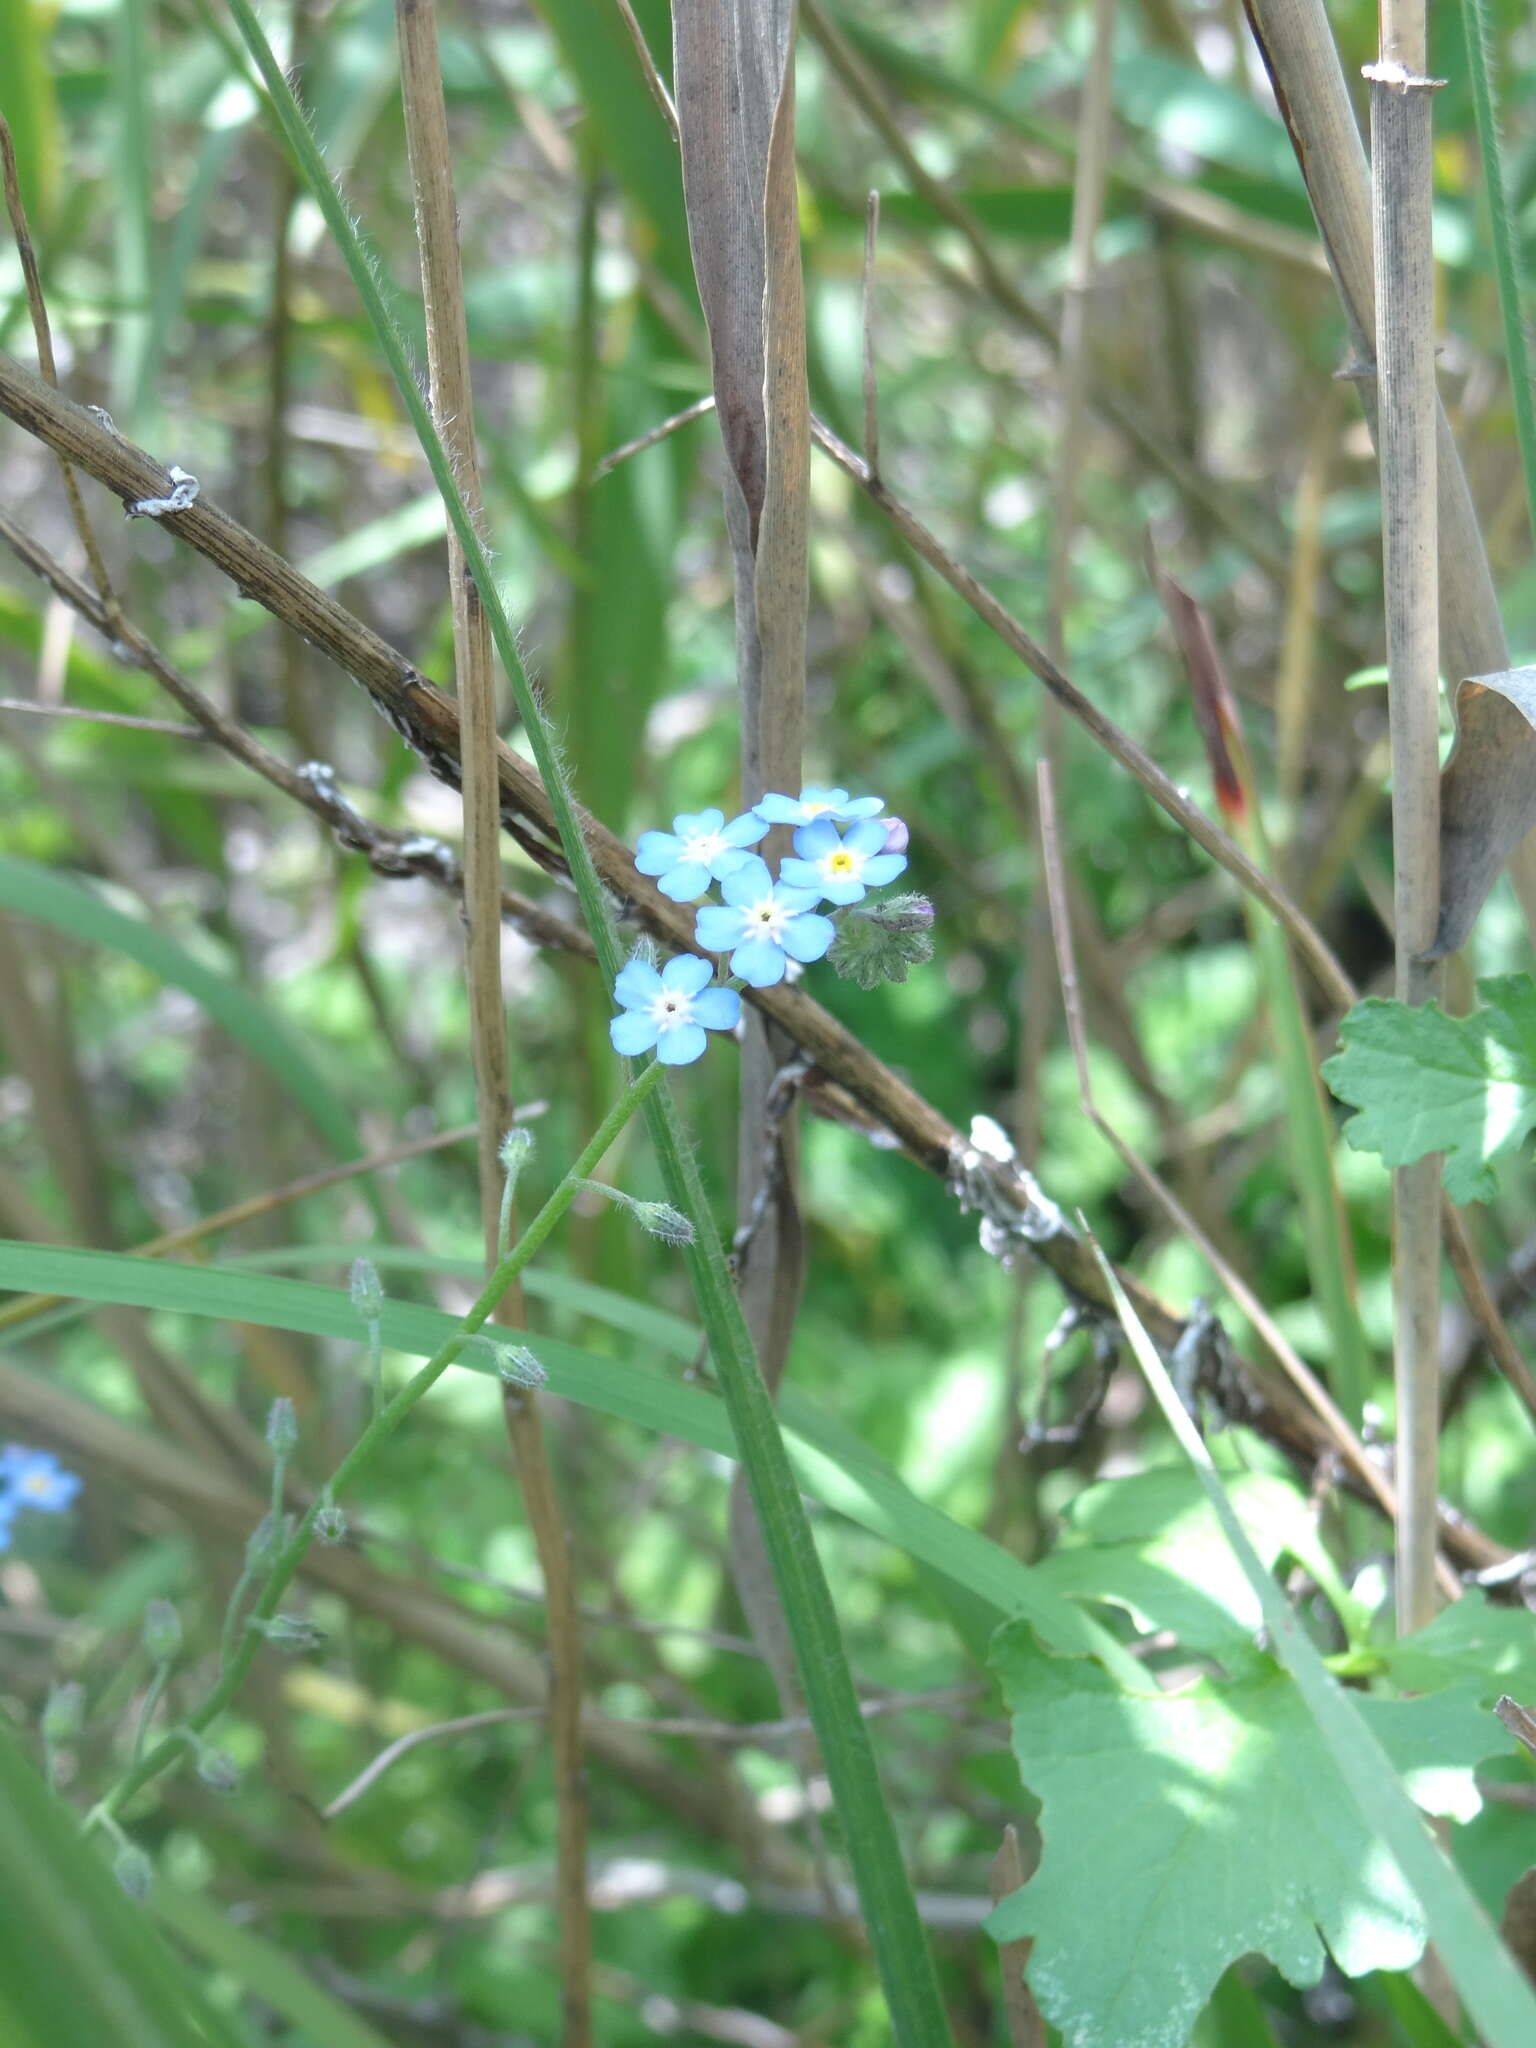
point(32, 1479)
point(843, 848)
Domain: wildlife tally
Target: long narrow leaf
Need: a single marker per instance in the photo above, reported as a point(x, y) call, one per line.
point(832, 1464)
point(82, 912)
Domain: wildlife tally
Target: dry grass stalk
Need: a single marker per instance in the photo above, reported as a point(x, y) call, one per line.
point(1401, 138)
point(452, 395)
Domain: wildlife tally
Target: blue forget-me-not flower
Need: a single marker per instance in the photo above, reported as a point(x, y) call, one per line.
point(767, 923)
point(32, 1479)
point(671, 1010)
point(700, 848)
point(842, 865)
point(813, 803)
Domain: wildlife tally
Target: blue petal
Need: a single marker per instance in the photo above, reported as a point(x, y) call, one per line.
point(760, 963)
point(745, 830)
point(655, 852)
point(800, 874)
point(859, 806)
point(716, 928)
point(885, 867)
point(749, 882)
point(843, 889)
point(632, 1031)
point(717, 1009)
point(807, 938)
point(797, 899)
point(778, 809)
point(831, 799)
point(687, 973)
point(690, 822)
point(865, 837)
point(684, 883)
point(819, 837)
point(637, 983)
point(681, 1046)
point(728, 861)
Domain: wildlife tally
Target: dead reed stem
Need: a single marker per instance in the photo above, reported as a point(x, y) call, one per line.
point(1401, 129)
point(452, 396)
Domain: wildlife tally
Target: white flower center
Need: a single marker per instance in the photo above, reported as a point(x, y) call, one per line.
point(842, 864)
point(670, 1010)
point(702, 847)
point(765, 919)
point(815, 808)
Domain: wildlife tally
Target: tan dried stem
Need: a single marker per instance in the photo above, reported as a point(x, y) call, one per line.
point(452, 396)
point(1401, 144)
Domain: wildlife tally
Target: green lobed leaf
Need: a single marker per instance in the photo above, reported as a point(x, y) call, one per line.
point(1151, 1544)
point(1469, 1641)
point(1185, 1830)
point(1424, 1082)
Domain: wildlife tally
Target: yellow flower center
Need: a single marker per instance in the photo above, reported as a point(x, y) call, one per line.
point(814, 810)
point(840, 864)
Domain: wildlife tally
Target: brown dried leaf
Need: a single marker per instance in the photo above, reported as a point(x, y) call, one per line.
point(1215, 707)
point(1518, 1926)
point(734, 72)
point(1487, 794)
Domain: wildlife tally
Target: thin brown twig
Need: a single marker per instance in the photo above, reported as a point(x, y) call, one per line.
point(655, 84)
point(728, 1734)
point(854, 76)
point(26, 1306)
point(163, 728)
point(393, 854)
point(37, 306)
point(871, 382)
point(452, 395)
point(641, 442)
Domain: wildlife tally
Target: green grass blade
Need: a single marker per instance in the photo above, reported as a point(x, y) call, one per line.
point(832, 1464)
point(132, 242)
point(79, 1960)
point(895, 1930)
point(1506, 255)
point(85, 914)
point(30, 104)
point(322, 2021)
point(1486, 1976)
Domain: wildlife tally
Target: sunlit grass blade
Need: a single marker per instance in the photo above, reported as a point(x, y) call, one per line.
point(79, 1960)
point(1506, 250)
point(831, 1462)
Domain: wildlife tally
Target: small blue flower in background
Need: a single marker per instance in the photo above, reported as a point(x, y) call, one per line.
point(842, 865)
point(671, 1010)
point(814, 803)
point(765, 922)
point(32, 1479)
point(699, 849)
